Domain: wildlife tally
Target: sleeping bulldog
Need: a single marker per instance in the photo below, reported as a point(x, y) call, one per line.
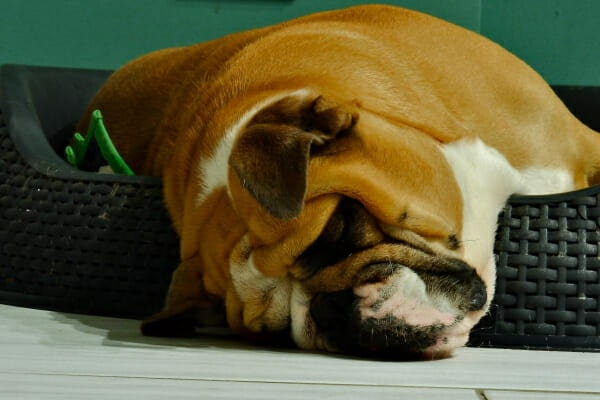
point(337, 178)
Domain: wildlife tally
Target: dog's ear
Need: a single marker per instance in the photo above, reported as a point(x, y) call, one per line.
point(271, 156)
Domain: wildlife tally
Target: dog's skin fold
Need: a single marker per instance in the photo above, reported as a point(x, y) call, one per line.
point(337, 178)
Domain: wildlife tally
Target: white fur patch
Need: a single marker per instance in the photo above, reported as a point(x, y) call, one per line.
point(486, 180)
point(304, 331)
point(213, 170)
point(546, 181)
point(266, 299)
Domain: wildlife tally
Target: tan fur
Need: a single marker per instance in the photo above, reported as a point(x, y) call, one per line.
point(411, 81)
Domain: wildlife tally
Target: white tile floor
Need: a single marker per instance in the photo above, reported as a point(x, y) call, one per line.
point(46, 355)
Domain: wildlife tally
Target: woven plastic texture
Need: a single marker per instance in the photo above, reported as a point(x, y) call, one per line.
point(548, 275)
point(101, 244)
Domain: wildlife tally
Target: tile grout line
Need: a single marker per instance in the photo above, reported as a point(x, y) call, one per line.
point(479, 392)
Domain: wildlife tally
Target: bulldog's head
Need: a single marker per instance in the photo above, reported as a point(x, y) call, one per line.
point(352, 228)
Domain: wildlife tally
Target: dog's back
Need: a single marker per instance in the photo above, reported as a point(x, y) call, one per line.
point(402, 65)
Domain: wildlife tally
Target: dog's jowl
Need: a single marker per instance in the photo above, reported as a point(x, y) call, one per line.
point(337, 178)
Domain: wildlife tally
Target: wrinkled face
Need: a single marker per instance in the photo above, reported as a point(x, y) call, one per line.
point(366, 288)
point(402, 297)
point(368, 258)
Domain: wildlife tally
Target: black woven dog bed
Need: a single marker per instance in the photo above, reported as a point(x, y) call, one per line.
point(84, 242)
point(71, 240)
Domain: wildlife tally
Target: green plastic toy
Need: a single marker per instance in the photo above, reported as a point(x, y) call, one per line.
point(75, 153)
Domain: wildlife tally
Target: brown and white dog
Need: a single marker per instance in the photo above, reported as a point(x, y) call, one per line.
point(338, 177)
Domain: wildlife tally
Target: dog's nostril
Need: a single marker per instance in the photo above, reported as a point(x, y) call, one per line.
point(478, 295)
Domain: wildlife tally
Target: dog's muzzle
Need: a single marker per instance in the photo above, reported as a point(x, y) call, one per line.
point(407, 314)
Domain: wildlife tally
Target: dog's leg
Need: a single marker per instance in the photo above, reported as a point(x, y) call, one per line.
point(187, 306)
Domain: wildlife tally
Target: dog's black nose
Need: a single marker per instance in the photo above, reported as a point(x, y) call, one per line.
point(478, 295)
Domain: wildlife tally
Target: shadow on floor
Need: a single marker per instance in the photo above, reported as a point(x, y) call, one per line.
point(126, 332)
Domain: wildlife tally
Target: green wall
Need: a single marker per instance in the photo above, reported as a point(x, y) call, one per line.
point(560, 38)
